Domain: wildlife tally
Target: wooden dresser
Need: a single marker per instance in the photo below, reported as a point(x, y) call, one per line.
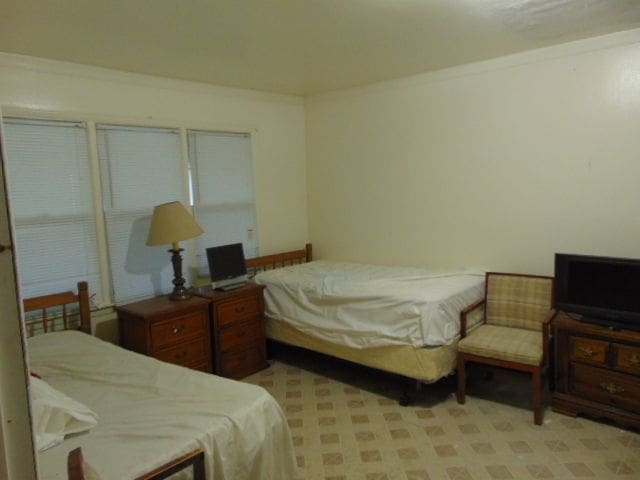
point(173, 331)
point(597, 371)
point(237, 319)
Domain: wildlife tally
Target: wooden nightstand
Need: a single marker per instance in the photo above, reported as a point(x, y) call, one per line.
point(172, 331)
point(239, 342)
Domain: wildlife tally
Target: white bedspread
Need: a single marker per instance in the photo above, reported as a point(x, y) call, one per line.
point(151, 412)
point(363, 306)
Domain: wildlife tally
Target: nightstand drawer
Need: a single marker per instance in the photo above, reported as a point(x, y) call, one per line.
point(194, 352)
point(171, 331)
point(177, 329)
point(237, 336)
point(237, 311)
point(627, 358)
point(243, 363)
point(589, 350)
point(615, 389)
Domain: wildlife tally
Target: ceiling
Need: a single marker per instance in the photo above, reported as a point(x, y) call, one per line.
point(300, 47)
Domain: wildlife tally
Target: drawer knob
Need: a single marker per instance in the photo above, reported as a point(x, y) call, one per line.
point(240, 309)
point(634, 359)
point(612, 387)
point(587, 351)
point(177, 328)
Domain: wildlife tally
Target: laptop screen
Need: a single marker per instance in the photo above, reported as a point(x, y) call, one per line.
point(226, 261)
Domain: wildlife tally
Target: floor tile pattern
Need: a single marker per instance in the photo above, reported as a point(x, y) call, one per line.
point(346, 424)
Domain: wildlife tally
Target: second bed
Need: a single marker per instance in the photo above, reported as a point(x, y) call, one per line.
point(403, 320)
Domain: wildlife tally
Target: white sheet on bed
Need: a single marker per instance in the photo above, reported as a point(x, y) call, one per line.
point(151, 412)
point(363, 306)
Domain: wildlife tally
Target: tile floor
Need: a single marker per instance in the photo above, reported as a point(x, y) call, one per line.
point(346, 424)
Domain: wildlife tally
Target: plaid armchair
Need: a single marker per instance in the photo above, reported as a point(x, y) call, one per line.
point(515, 332)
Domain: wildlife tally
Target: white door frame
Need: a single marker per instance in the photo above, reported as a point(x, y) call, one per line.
point(17, 459)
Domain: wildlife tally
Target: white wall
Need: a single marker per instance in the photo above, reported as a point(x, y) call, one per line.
point(277, 122)
point(500, 163)
point(42, 87)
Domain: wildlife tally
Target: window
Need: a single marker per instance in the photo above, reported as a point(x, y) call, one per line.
point(140, 168)
point(52, 172)
point(49, 176)
point(223, 191)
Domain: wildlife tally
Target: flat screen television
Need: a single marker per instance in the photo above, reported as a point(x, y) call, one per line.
point(227, 266)
point(604, 290)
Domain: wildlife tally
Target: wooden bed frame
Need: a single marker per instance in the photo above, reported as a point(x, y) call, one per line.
point(277, 260)
point(438, 361)
point(77, 468)
point(55, 300)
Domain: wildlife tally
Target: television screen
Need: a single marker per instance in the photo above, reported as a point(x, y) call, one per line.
point(600, 287)
point(226, 262)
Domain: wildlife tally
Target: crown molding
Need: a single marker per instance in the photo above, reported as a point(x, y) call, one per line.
point(570, 49)
point(68, 69)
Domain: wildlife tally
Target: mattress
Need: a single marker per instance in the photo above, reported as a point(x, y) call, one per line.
point(366, 306)
point(150, 412)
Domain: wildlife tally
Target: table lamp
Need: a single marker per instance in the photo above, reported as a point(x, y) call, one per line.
point(172, 223)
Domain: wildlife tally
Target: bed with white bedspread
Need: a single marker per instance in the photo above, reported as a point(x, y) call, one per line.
point(400, 319)
point(150, 412)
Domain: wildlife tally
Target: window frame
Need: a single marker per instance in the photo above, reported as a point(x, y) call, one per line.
point(73, 219)
point(194, 189)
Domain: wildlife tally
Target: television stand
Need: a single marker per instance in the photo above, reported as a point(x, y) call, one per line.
point(611, 324)
point(596, 371)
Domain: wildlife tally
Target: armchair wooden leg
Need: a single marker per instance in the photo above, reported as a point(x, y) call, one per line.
point(462, 380)
point(537, 397)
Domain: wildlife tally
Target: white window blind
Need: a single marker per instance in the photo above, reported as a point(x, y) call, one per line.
point(140, 168)
point(49, 178)
point(223, 191)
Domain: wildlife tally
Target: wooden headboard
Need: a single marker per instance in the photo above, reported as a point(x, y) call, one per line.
point(45, 302)
point(269, 262)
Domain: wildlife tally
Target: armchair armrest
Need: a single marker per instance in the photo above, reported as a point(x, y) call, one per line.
point(546, 335)
point(463, 316)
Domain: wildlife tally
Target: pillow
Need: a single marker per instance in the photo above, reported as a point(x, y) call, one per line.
point(56, 415)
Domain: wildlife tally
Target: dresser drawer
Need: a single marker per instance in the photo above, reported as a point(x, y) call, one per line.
point(194, 352)
point(627, 359)
point(232, 312)
point(177, 329)
point(588, 350)
point(236, 336)
point(597, 384)
point(243, 363)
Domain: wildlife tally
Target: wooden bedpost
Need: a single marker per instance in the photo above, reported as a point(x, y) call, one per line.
point(309, 251)
point(85, 307)
point(75, 464)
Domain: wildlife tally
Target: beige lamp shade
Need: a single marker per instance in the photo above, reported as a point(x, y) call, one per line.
point(172, 223)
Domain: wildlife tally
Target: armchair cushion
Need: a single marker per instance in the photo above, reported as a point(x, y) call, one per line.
point(504, 343)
